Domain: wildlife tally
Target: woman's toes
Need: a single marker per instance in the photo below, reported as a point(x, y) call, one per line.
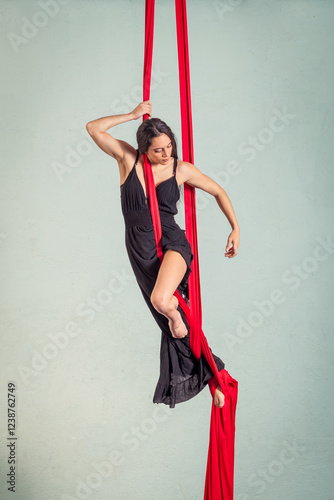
point(219, 398)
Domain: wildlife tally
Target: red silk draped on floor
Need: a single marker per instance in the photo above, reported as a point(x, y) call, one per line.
point(220, 463)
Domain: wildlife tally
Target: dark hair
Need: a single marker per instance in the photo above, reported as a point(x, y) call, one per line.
point(153, 127)
point(150, 128)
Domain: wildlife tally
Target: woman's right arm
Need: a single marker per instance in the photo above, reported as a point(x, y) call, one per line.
point(114, 147)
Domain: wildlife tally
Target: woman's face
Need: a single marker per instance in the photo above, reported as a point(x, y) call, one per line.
point(160, 150)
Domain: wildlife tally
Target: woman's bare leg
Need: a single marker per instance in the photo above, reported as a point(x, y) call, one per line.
point(171, 272)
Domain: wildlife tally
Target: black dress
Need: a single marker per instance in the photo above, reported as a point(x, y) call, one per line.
point(182, 376)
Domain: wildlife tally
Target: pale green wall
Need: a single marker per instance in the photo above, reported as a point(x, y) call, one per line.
point(62, 242)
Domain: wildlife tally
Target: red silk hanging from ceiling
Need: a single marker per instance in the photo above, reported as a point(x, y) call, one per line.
point(220, 464)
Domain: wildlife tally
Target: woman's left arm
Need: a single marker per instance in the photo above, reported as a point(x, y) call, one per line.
point(194, 177)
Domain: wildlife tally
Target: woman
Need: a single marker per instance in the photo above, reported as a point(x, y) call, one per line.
point(182, 376)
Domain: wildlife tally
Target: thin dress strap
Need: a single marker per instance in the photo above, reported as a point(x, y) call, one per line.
point(175, 164)
point(136, 157)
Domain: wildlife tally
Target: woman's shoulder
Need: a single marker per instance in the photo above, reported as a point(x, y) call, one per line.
point(127, 162)
point(128, 150)
point(185, 170)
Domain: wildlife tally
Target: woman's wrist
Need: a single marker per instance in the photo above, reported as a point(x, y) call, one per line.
point(131, 116)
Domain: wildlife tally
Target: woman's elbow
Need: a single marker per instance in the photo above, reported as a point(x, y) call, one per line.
point(89, 127)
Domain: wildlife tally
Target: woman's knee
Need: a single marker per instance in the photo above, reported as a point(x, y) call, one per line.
point(160, 301)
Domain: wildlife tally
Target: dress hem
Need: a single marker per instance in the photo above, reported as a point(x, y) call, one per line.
point(181, 389)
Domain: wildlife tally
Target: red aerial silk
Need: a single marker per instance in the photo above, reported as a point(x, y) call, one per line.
point(220, 464)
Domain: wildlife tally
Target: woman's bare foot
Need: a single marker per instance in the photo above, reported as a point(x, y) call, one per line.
point(219, 398)
point(177, 327)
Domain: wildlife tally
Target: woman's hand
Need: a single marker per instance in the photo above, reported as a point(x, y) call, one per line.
point(144, 108)
point(232, 244)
